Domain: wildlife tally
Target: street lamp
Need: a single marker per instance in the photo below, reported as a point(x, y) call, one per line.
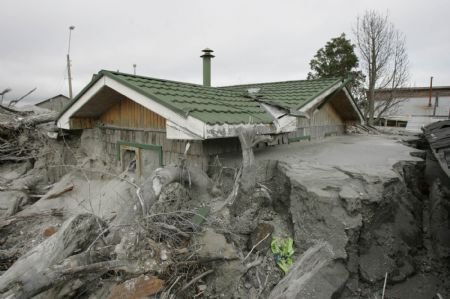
point(68, 62)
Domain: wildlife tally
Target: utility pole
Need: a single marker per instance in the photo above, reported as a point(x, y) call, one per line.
point(69, 74)
point(431, 91)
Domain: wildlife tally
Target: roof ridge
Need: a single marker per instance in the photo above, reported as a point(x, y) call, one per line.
point(218, 87)
point(156, 79)
point(286, 81)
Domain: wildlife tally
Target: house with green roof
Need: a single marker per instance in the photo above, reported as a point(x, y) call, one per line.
point(151, 120)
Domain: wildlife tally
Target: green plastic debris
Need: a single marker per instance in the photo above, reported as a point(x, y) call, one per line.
point(283, 250)
point(200, 216)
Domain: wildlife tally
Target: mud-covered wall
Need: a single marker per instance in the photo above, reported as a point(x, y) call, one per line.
point(106, 141)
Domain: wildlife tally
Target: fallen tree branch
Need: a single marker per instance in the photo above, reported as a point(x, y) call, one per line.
point(16, 218)
point(30, 274)
point(59, 192)
point(195, 279)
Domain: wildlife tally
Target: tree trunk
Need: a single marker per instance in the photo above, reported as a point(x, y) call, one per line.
point(161, 177)
point(37, 119)
point(28, 276)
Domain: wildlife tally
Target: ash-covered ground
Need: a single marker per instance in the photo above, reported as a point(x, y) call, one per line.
point(359, 208)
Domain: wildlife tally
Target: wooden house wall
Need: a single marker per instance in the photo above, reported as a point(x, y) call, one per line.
point(128, 124)
point(325, 122)
point(129, 114)
point(171, 150)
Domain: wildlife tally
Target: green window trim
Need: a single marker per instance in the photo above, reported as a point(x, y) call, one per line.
point(152, 147)
point(299, 138)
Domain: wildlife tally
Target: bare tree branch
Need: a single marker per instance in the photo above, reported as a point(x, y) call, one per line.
point(14, 102)
point(383, 58)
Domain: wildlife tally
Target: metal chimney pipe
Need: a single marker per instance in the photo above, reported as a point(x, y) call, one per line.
point(207, 66)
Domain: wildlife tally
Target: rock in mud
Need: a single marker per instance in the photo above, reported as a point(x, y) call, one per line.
point(317, 274)
point(135, 288)
point(214, 245)
point(420, 286)
point(261, 235)
point(375, 263)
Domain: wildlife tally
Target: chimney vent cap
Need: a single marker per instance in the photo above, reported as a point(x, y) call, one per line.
point(207, 52)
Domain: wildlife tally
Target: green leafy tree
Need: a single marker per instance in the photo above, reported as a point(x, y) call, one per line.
point(338, 59)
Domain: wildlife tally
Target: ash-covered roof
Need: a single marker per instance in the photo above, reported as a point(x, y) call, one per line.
point(288, 94)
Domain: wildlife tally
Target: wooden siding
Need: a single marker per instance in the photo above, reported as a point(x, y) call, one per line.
point(326, 115)
point(172, 150)
point(81, 123)
point(129, 114)
point(325, 122)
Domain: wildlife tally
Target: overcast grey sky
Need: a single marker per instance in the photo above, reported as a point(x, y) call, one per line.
point(253, 40)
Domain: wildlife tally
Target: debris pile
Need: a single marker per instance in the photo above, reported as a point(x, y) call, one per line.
point(20, 141)
point(361, 129)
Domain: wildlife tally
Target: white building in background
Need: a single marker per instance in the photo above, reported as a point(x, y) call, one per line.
point(56, 103)
point(415, 109)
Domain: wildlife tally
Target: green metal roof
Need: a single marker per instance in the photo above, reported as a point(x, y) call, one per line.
point(208, 104)
point(288, 94)
point(219, 105)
